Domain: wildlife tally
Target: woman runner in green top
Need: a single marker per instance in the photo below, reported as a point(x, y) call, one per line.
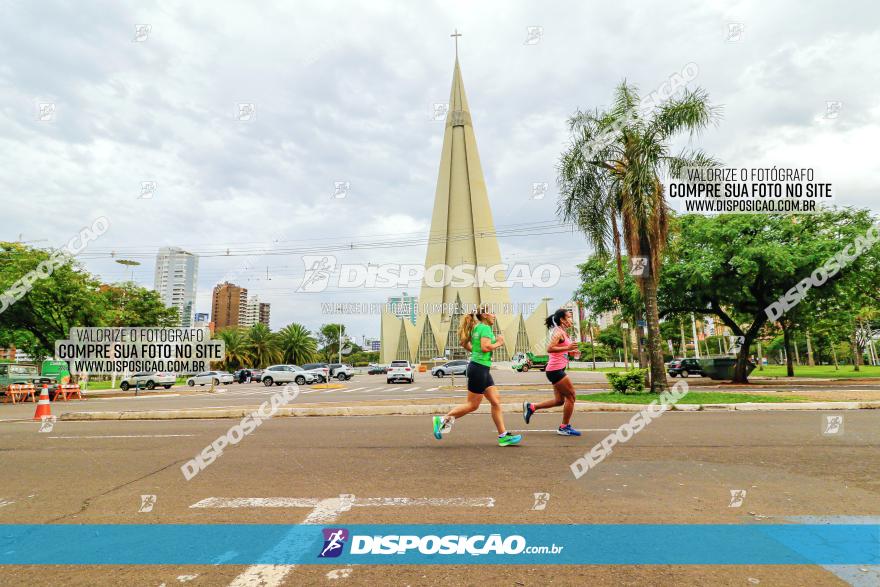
point(475, 334)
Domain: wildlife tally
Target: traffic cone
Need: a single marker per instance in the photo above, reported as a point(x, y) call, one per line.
point(43, 406)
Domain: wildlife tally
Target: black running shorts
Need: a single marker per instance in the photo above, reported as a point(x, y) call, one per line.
point(556, 376)
point(478, 377)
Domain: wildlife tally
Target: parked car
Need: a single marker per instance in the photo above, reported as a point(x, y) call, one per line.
point(321, 371)
point(149, 380)
point(400, 370)
point(457, 367)
point(278, 374)
point(341, 371)
point(241, 376)
point(377, 369)
point(206, 377)
point(684, 367)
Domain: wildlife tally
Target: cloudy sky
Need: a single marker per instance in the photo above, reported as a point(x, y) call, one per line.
point(344, 92)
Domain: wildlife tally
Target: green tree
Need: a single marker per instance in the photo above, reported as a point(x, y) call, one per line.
point(263, 345)
point(48, 309)
point(127, 304)
point(735, 266)
point(237, 347)
point(328, 340)
point(610, 185)
point(296, 343)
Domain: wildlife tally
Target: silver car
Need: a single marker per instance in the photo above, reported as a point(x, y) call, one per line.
point(450, 368)
point(149, 380)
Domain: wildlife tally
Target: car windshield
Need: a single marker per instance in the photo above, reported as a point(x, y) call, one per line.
point(399, 364)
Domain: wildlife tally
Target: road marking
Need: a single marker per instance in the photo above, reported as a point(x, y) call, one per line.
point(129, 436)
point(4, 503)
point(433, 389)
point(353, 390)
point(310, 502)
point(325, 511)
point(554, 430)
point(409, 389)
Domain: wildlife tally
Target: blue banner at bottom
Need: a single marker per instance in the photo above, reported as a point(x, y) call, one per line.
point(620, 544)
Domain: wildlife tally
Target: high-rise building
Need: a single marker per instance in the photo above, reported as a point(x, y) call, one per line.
point(228, 305)
point(462, 235)
point(254, 312)
point(176, 278)
point(265, 310)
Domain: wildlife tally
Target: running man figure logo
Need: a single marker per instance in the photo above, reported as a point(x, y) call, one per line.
point(340, 189)
point(534, 34)
point(735, 32)
point(141, 32)
point(147, 503)
point(439, 111)
point(247, 111)
point(832, 108)
point(638, 266)
point(832, 425)
point(148, 188)
point(317, 275)
point(737, 496)
point(541, 501)
point(47, 423)
point(334, 540)
point(539, 190)
point(46, 112)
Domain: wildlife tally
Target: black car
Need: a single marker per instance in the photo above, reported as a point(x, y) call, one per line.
point(377, 370)
point(684, 367)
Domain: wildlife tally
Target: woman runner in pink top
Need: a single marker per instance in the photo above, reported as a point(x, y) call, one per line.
point(559, 349)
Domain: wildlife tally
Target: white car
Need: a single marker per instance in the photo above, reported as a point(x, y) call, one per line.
point(400, 370)
point(149, 380)
point(278, 374)
point(206, 377)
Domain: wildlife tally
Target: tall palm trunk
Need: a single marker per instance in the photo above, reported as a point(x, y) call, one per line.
point(657, 368)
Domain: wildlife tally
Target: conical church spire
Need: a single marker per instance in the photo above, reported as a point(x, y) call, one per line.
point(462, 230)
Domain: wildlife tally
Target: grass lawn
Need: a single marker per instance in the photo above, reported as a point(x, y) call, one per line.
point(823, 371)
point(693, 397)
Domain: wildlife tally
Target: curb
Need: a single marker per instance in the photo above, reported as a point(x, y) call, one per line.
point(430, 410)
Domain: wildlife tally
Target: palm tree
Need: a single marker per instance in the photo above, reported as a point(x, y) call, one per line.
point(263, 345)
point(297, 344)
point(610, 185)
point(236, 347)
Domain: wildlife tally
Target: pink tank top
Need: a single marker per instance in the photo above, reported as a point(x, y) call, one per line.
point(559, 361)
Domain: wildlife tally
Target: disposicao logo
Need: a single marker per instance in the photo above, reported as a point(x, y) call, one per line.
point(334, 541)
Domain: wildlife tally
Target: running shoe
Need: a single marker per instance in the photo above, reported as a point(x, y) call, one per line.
point(567, 430)
point(438, 427)
point(528, 410)
point(509, 439)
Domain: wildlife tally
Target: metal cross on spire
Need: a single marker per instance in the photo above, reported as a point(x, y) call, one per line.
point(456, 35)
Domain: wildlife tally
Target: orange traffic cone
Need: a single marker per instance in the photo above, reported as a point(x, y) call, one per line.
point(43, 407)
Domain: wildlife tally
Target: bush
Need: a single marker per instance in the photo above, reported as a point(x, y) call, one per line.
point(632, 381)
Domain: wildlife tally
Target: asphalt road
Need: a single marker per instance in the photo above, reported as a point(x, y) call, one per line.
point(681, 469)
point(370, 388)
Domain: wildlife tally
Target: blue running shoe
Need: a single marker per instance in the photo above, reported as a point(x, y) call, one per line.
point(567, 430)
point(528, 410)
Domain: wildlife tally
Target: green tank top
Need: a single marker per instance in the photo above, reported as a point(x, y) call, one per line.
point(481, 331)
